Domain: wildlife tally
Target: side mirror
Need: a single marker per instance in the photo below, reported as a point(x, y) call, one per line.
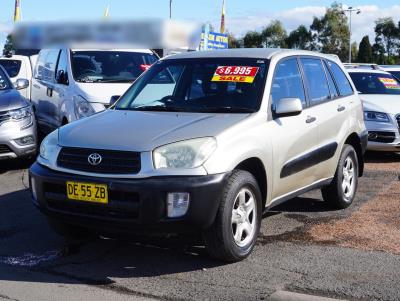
point(114, 99)
point(62, 77)
point(288, 107)
point(21, 83)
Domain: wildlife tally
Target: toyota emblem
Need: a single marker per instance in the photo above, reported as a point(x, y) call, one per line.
point(94, 159)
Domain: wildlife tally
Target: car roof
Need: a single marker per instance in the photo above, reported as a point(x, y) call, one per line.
point(261, 53)
point(365, 70)
point(13, 57)
point(116, 49)
point(391, 68)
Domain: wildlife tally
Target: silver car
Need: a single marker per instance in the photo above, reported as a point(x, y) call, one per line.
point(206, 142)
point(380, 93)
point(17, 122)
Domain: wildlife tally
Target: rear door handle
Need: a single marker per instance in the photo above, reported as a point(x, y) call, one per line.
point(310, 119)
point(36, 86)
point(49, 92)
point(341, 108)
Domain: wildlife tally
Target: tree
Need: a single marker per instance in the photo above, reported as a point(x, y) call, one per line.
point(378, 54)
point(274, 35)
point(331, 33)
point(365, 51)
point(387, 35)
point(233, 42)
point(252, 39)
point(354, 51)
point(300, 38)
point(8, 46)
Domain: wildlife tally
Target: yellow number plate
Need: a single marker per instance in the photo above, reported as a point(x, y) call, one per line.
point(95, 193)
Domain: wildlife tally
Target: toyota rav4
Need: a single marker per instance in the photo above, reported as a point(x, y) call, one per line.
point(206, 142)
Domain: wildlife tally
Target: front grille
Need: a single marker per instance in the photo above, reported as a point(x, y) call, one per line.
point(398, 121)
point(382, 137)
point(4, 149)
point(113, 162)
point(122, 204)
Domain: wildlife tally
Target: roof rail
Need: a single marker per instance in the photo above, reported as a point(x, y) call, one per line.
point(362, 65)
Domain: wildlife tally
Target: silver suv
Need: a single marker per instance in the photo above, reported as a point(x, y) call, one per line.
point(206, 142)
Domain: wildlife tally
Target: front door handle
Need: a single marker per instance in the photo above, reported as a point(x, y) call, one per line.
point(311, 119)
point(341, 108)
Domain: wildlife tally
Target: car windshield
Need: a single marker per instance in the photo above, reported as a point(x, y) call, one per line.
point(376, 83)
point(396, 74)
point(219, 85)
point(109, 66)
point(12, 67)
point(4, 82)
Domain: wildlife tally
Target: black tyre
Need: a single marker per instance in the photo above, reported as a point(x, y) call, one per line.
point(233, 234)
point(71, 233)
point(342, 190)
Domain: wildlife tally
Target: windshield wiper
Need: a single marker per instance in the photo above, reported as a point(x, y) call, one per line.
point(121, 80)
point(227, 110)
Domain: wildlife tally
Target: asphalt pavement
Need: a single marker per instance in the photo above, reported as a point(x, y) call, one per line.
point(36, 264)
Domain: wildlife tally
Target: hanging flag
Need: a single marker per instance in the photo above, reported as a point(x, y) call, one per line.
point(223, 17)
point(107, 11)
point(17, 11)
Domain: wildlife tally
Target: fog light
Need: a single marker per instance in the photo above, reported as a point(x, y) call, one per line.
point(25, 140)
point(177, 204)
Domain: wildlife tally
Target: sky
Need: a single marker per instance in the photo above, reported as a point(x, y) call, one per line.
point(241, 15)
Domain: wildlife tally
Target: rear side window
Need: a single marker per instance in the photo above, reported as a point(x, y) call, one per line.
point(287, 82)
point(342, 82)
point(316, 79)
point(12, 67)
point(331, 83)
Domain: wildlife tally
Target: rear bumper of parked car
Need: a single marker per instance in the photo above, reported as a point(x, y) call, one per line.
point(11, 133)
point(135, 206)
point(383, 137)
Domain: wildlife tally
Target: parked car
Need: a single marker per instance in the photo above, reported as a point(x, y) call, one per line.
point(17, 122)
point(70, 84)
point(380, 93)
point(206, 142)
point(393, 70)
point(20, 67)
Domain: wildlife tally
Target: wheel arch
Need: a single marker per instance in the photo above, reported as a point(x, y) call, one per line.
point(355, 141)
point(256, 167)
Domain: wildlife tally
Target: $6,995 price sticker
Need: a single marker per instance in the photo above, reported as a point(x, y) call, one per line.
point(240, 74)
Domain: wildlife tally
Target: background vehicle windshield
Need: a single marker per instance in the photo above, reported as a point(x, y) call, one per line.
point(4, 82)
point(199, 85)
point(376, 83)
point(109, 66)
point(396, 74)
point(12, 67)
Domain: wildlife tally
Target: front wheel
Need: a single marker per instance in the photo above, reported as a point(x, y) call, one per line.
point(342, 190)
point(234, 232)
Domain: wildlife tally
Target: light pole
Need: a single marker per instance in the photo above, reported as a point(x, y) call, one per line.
point(170, 9)
point(350, 10)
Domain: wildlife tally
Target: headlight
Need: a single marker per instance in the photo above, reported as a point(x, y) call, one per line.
point(82, 107)
point(48, 146)
point(376, 116)
point(185, 154)
point(21, 113)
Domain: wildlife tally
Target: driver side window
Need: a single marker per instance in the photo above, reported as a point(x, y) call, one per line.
point(287, 82)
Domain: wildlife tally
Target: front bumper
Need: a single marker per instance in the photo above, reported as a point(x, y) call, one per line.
point(11, 131)
point(383, 137)
point(136, 206)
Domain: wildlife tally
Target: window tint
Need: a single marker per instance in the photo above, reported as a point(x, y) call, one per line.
point(316, 79)
point(287, 82)
point(12, 67)
point(342, 82)
point(375, 83)
point(331, 83)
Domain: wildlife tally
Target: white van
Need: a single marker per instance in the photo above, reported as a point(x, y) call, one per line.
point(20, 67)
point(69, 84)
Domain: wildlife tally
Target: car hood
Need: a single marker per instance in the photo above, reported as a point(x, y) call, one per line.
point(381, 103)
point(142, 131)
point(102, 92)
point(10, 99)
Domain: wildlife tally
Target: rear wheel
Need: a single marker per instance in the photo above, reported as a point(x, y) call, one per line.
point(234, 232)
point(342, 190)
